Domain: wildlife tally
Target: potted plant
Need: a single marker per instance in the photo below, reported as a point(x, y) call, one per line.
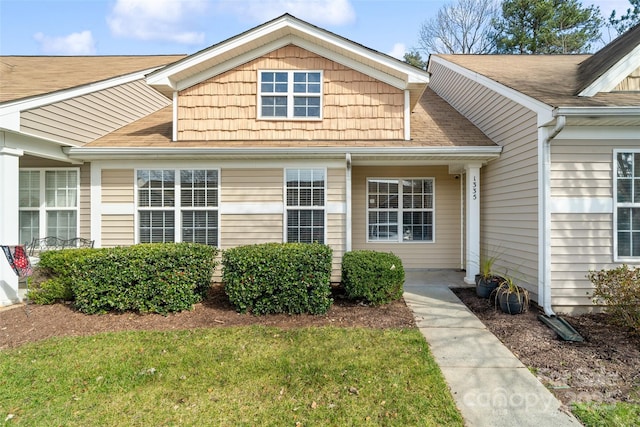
point(486, 281)
point(513, 299)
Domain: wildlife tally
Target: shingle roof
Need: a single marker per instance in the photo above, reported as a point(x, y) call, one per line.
point(552, 79)
point(25, 76)
point(434, 123)
point(608, 56)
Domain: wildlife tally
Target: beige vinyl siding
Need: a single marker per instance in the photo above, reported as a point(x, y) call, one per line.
point(631, 83)
point(508, 185)
point(336, 222)
point(266, 185)
point(250, 186)
point(445, 251)
point(581, 242)
point(355, 106)
point(117, 230)
point(117, 188)
point(85, 200)
point(88, 117)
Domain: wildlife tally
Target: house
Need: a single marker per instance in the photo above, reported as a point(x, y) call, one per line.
point(288, 132)
point(564, 196)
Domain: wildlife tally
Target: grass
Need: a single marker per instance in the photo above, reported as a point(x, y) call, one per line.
point(243, 376)
point(607, 415)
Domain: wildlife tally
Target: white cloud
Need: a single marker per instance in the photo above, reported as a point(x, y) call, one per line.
point(157, 20)
point(398, 50)
point(74, 44)
point(318, 12)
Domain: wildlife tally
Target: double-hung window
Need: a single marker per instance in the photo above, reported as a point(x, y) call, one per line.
point(400, 210)
point(290, 94)
point(627, 209)
point(177, 205)
point(48, 203)
point(305, 194)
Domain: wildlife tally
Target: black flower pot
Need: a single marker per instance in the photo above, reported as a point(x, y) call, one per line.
point(512, 303)
point(485, 287)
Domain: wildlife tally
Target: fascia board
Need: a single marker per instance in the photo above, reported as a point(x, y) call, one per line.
point(597, 111)
point(88, 153)
point(544, 111)
point(284, 41)
point(614, 75)
point(37, 146)
point(166, 76)
point(41, 100)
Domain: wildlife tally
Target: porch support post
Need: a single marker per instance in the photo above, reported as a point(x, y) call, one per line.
point(9, 167)
point(472, 222)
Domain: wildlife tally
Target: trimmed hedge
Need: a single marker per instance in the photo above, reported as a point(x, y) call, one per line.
point(287, 278)
point(156, 278)
point(59, 266)
point(376, 277)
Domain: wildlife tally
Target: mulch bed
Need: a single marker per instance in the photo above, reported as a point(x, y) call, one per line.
point(603, 368)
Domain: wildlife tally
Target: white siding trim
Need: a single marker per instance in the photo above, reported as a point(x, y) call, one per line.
point(407, 115)
point(576, 205)
point(96, 204)
point(174, 127)
point(336, 208)
point(118, 209)
point(605, 133)
point(250, 208)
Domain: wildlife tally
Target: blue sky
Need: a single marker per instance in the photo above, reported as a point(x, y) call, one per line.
point(131, 27)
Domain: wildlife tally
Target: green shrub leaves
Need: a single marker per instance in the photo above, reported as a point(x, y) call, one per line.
point(156, 278)
point(619, 290)
point(375, 277)
point(287, 278)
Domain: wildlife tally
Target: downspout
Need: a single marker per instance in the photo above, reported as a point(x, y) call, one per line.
point(347, 242)
point(544, 287)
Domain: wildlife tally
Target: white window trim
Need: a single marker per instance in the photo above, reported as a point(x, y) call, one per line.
point(177, 208)
point(290, 95)
point(286, 208)
point(43, 209)
point(616, 257)
point(401, 211)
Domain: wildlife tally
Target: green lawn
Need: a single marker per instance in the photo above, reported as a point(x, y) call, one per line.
point(251, 376)
point(606, 415)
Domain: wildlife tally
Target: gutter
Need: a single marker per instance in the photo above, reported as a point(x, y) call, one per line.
point(97, 153)
point(544, 219)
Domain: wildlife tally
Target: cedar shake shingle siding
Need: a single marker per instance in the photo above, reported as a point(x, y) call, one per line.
point(355, 106)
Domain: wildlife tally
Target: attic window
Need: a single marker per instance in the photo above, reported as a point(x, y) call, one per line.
point(290, 95)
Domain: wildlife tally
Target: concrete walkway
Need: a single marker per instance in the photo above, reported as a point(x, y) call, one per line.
point(490, 385)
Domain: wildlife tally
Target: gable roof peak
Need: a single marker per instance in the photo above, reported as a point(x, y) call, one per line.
point(279, 32)
point(603, 70)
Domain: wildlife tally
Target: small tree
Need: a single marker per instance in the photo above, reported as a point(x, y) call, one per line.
point(414, 58)
point(546, 26)
point(628, 20)
point(462, 27)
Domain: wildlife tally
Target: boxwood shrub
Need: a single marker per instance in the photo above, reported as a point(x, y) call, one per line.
point(287, 278)
point(56, 267)
point(375, 277)
point(158, 278)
